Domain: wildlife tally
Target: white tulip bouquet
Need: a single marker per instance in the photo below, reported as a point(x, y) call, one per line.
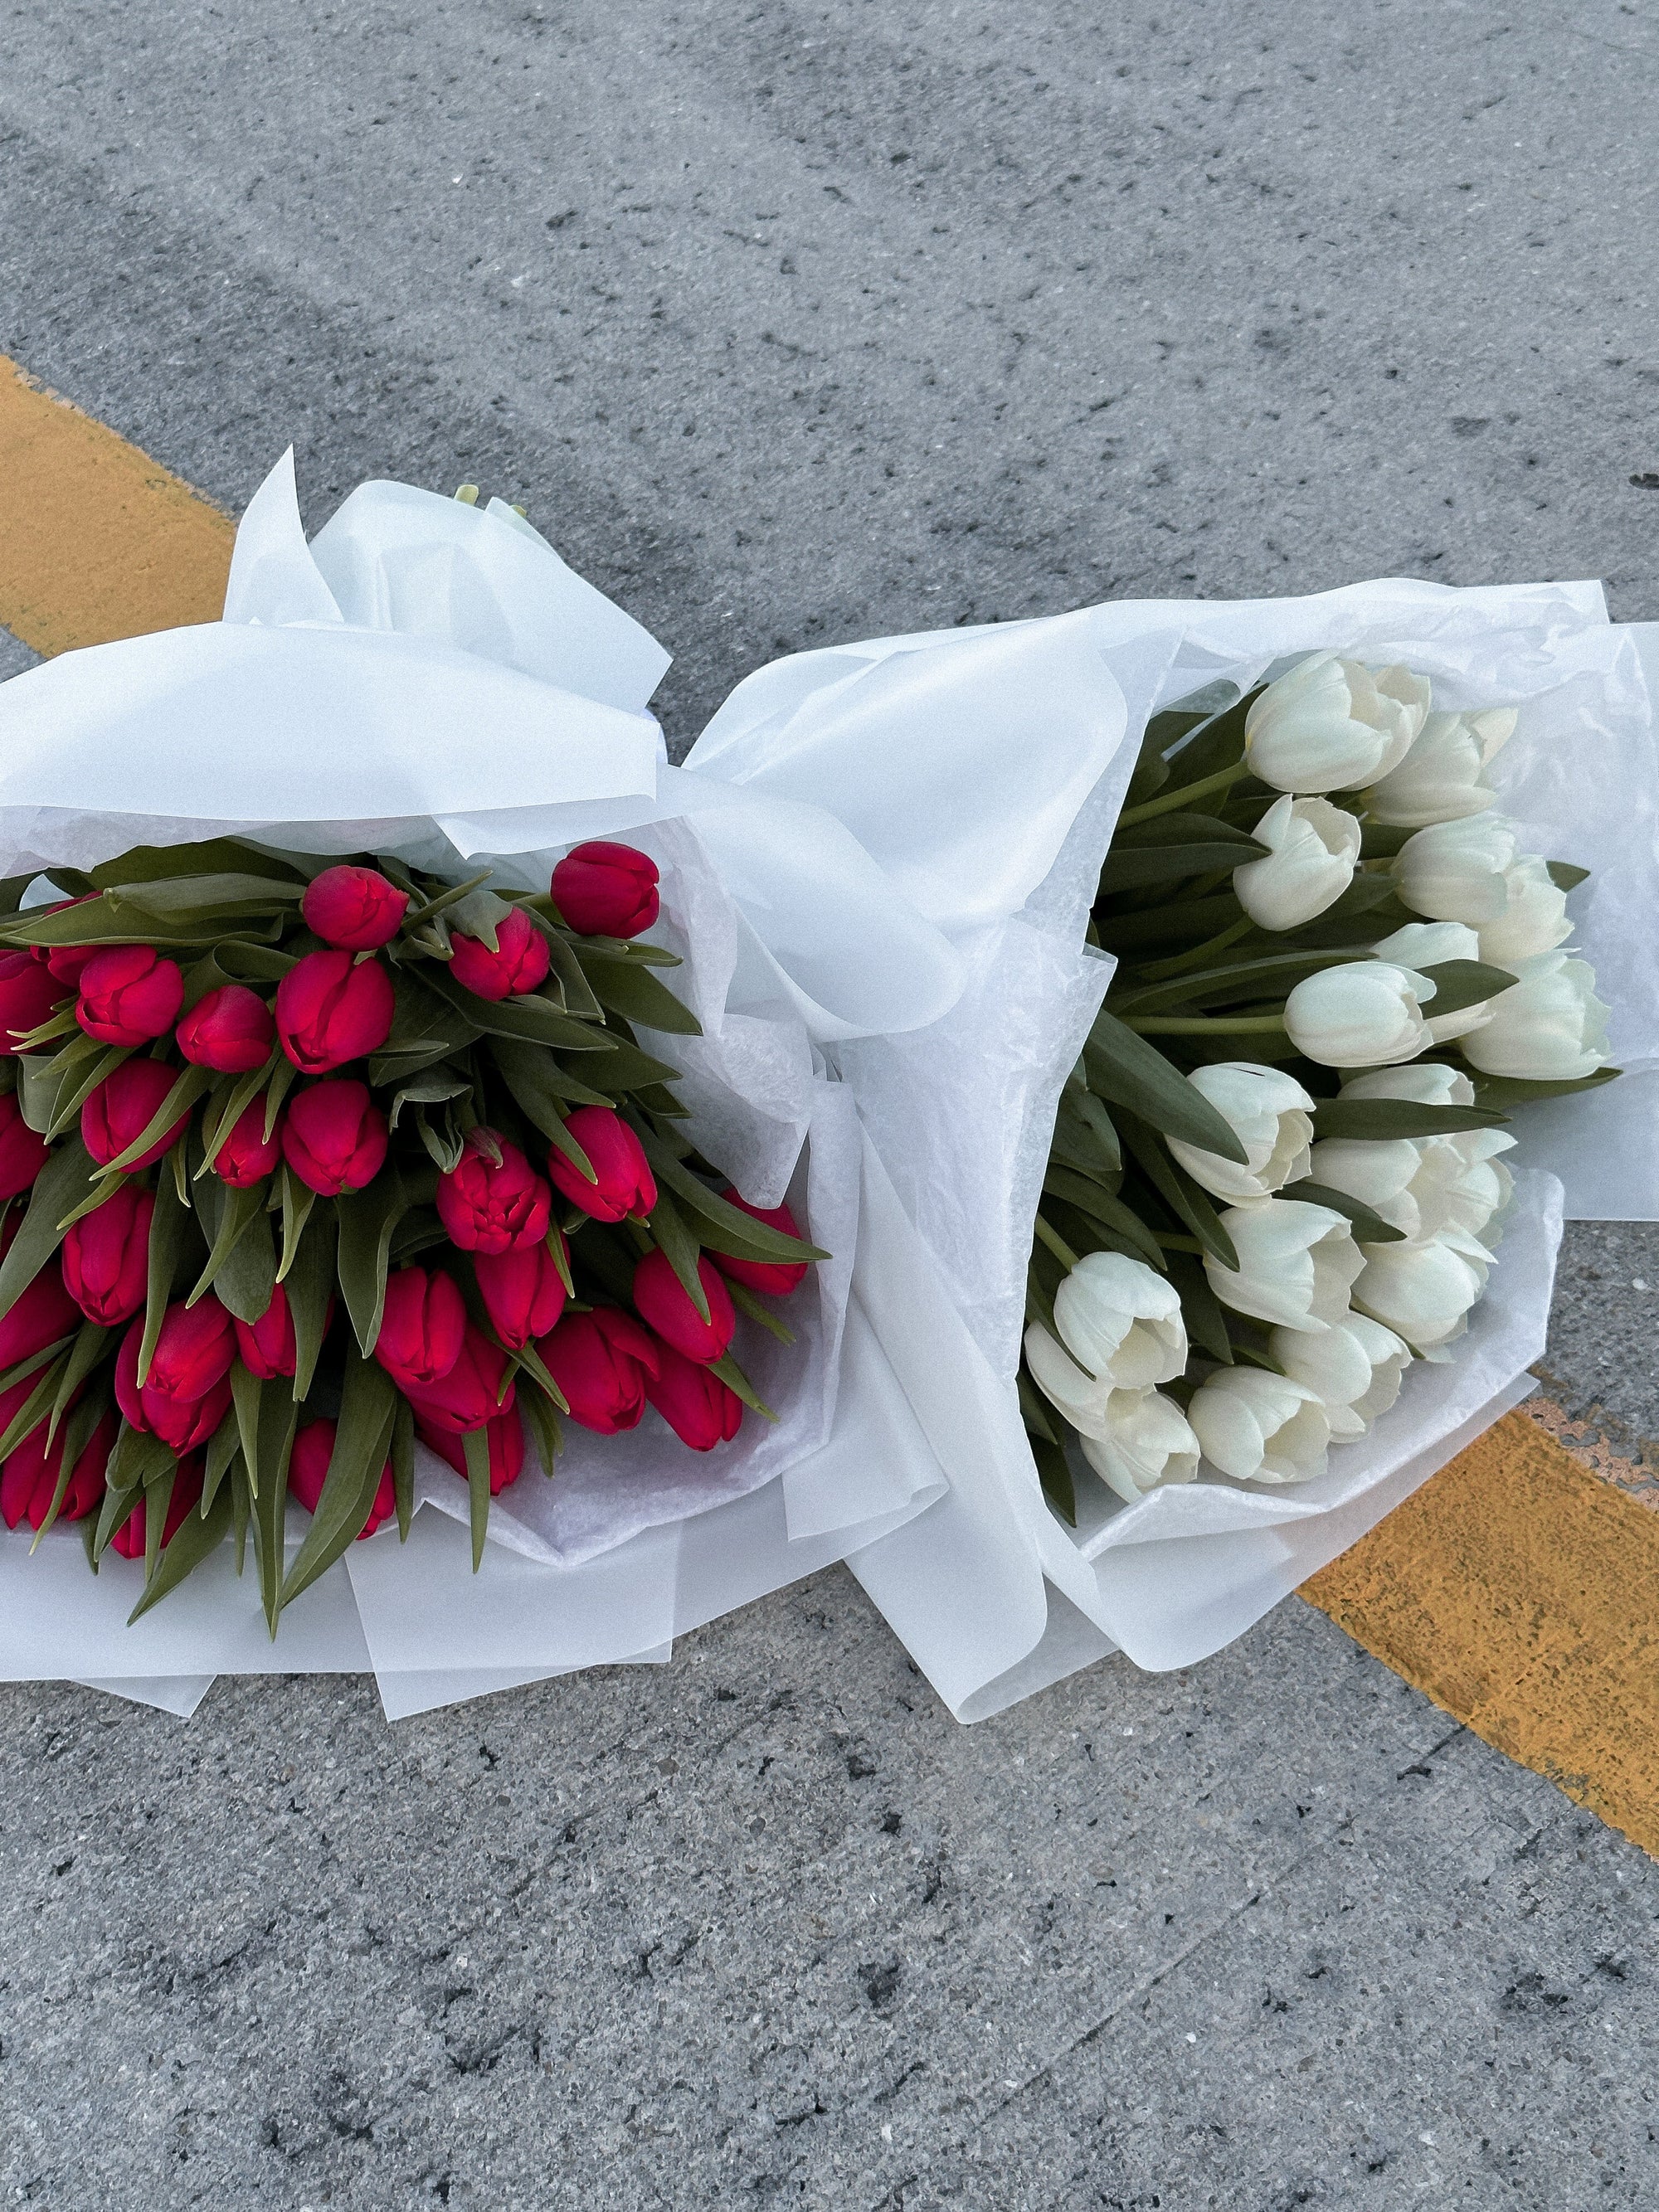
point(1276, 1177)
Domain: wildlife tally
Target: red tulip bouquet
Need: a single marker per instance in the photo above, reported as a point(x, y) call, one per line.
point(303, 1161)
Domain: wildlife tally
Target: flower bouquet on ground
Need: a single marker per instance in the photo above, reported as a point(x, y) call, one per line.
point(306, 1162)
point(1277, 1175)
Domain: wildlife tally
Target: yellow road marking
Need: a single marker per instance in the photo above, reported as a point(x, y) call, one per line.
point(96, 540)
point(1520, 1589)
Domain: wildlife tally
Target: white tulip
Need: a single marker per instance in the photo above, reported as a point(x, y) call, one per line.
point(1313, 848)
point(1083, 1398)
point(1463, 1185)
point(1425, 1083)
point(1295, 1262)
point(1121, 1320)
point(1270, 1113)
point(1423, 945)
point(1474, 872)
point(1258, 1428)
point(1147, 1443)
point(1360, 1014)
point(1422, 1291)
point(1332, 724)
point(1354, 1369)
point(1379, 1175)
point(1439, 779)
point(1550, 1027)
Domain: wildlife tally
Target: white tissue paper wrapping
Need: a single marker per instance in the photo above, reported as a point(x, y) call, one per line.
point(877, 861)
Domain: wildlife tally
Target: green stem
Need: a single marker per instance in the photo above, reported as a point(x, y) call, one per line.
point(1203, 1024)
point(1056, 1243)
point(1160, 970)
point(1170, 802)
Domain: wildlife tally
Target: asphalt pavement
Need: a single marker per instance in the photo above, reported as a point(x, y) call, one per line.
point(792, 323)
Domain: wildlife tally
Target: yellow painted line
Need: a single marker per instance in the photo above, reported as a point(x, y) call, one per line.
point(1519, 1587)
point(96, 540)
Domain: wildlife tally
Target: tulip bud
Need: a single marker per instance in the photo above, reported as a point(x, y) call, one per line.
point(1462, 1186)
point(625, 1185)
point(1354, 1369)
point(331, 1010)
point(1422, 1291)
point(334, 1138)
point(1439, 779)
point(356, 910)
point(22, 1153)
point(519, 962)
point(247, 1154)
point(1360, 1014)
point(1425, 1083)
point(663, 1302)
point(1549, 1028)
point(1147, 1443)
point(122, 1107)
point(307, 1470)
point(522, 1289)
point(504, 1433)
point(1423, 945)
point(229, 1029)
point(1258, 1428)
point(1472, 872)
point(1535, 918)
point(1313, 850)
point(1331, 725)
point(1270, 1113)
point(493, 1200)
point(423, 1327)
point(28, 1481)
point(467, 1396)
point(1295, 1263)
point(776, 1278)
point(106, 1256)
point(130, 994)
point(1122, 1320)
point(1379, 1175)
point(603, 889)
point(267, 1346)
point(44, 1313)
point(128, 1538)
point(186, 1394)
point(30, 994)
point(601, 1361)
point(697, 1406)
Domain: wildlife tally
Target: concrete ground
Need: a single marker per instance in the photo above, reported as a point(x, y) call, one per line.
point(792, 322)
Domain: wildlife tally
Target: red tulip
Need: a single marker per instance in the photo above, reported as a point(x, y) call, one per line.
point(122, 1108)
point(30, 994)
point(519, 962)
point(356, 909)
point(778, 1276)
point(626, 1184)
point(493, 1205)
point(523, 1291)
point(130, 993)
point(106, 1256)
point(44, 1313)
point(601, 1361)
point(334, 1138)
point(128, 1538)
point(229, 1029)
point(331, 1010)
point(664, 1301)
point(307, 1469)
point(267, 1345)
point(66, 961)
point(187, 1391)
point(603, 889)
point(466, 1397)
point(22, 1153)
point(423, 1327)
point(247, 1154)
point(28, 1481)
point(697, 1405)
point(505, 1433)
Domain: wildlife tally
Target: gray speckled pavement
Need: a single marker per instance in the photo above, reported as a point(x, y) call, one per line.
point(792, 322)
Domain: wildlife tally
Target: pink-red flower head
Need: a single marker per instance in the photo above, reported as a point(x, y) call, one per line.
point(776, 1277)
point(229, 1029)
point(517, 964)
point(106, 1256)
point(504, 1435)
point(493, 1200)
point(523, 1291)
point(335, 1136)
point(664, 1301)
point(186, 1394)
point(307, 1470)
point(130, 993)
point(128, 1538)
point(697, 1406)
point(601, 1361)
point(625, 1185)
point(603, 889)
point(423, 1327)
point(267, 1345)
point(28, 1481)
point(332, 1009)
point(118, 1113)
point(22, 1153)
point(30, 994)
point(247, 1154)
point(354, 909)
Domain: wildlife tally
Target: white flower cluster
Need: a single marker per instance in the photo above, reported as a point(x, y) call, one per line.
point(1343, 1317)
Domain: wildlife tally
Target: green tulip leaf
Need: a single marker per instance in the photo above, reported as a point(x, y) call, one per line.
point(367, 1219)
point(1381, 1120)
point(196, 1538)
point(1369, 1226)
point(1126, 1071)
point(362, 1444)
point(1460, 984)
point(61, 1185)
